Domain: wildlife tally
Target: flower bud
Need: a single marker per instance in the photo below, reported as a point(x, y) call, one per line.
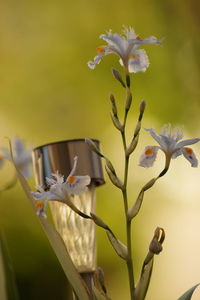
point(133, 211)
point(114, 107)
point(132, 145)
point(114, 179)
point(128, 101)
point(100, 276)
point(93, 147)
point(110, 166)
point(120, 248)
point(118, 76)
point(117, 123)
point(137, 128)
point(155, 246)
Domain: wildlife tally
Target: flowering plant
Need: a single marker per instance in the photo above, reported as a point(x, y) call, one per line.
point(63, 191)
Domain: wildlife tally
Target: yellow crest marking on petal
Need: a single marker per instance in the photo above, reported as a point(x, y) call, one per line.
point(188, 150)
point(71, 179)
point(100, 49)
point(39, 204)
point(133, 56)
point(149, 151)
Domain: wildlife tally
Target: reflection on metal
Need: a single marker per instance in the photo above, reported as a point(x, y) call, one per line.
point(77, 233)
point(59, 157)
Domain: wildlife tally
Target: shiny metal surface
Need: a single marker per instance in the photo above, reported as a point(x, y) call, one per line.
point(59, 156)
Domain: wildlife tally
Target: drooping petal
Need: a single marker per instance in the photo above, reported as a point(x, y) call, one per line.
point(97, 60)
point(138, 61)
point(190, 156)
point(187, 142)
point(148, 157)
point(77, 185)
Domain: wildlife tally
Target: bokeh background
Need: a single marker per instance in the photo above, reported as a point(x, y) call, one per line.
point(47, 93)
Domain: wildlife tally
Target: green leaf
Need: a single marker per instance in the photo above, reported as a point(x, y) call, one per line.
point(188, 295)
point(8, 289)
point(57, 245)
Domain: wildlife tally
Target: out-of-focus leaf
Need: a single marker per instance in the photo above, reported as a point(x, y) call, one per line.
point(3, 292)
point(57, 245)
point(120, 248)
point(188, 295)
point(143, 283)
point(8, 289)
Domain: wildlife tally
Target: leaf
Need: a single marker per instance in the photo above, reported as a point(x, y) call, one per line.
point(120, 248)
point(57, 245)
point(8, 288)
point(188, 295)
point(143, 284)
point(3, 292)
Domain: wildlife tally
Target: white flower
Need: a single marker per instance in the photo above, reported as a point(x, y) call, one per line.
point(21, 155)
point(169, 142)
point(60, 190)
point(125, 46)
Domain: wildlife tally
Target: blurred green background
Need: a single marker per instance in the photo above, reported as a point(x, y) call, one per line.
point(48, 94)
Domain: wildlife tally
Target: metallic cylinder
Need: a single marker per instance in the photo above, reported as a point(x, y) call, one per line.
point(78, 233)
point(59, 156)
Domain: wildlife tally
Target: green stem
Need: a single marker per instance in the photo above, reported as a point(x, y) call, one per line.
point(129, 261)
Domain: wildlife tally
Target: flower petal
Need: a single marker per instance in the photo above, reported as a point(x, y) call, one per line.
point(190, 156)
point(187, 142)
point(155, 136)
point(138, 61)
point(77, 184)
point(148, 157)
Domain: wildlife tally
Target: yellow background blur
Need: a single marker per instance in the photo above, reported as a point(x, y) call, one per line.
point(48, 93)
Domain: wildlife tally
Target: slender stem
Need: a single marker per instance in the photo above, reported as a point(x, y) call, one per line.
point(129, 261)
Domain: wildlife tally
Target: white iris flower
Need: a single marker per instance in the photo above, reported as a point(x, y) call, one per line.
point(60, 189)
point(126, 47)
point(169, 142)
point(21, 156)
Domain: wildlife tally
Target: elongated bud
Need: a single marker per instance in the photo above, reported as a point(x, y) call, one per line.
point(128, 100)
point(137, 129)
point(118, 246)
point(117, 123)
point(142, 109)
point(133, 211)
point(118, 76)
point(132, 145)
point(98, 221)
point(101, 278)
point(93, 147)
point(113, 103)
point(110, 166)
point(114, 179)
